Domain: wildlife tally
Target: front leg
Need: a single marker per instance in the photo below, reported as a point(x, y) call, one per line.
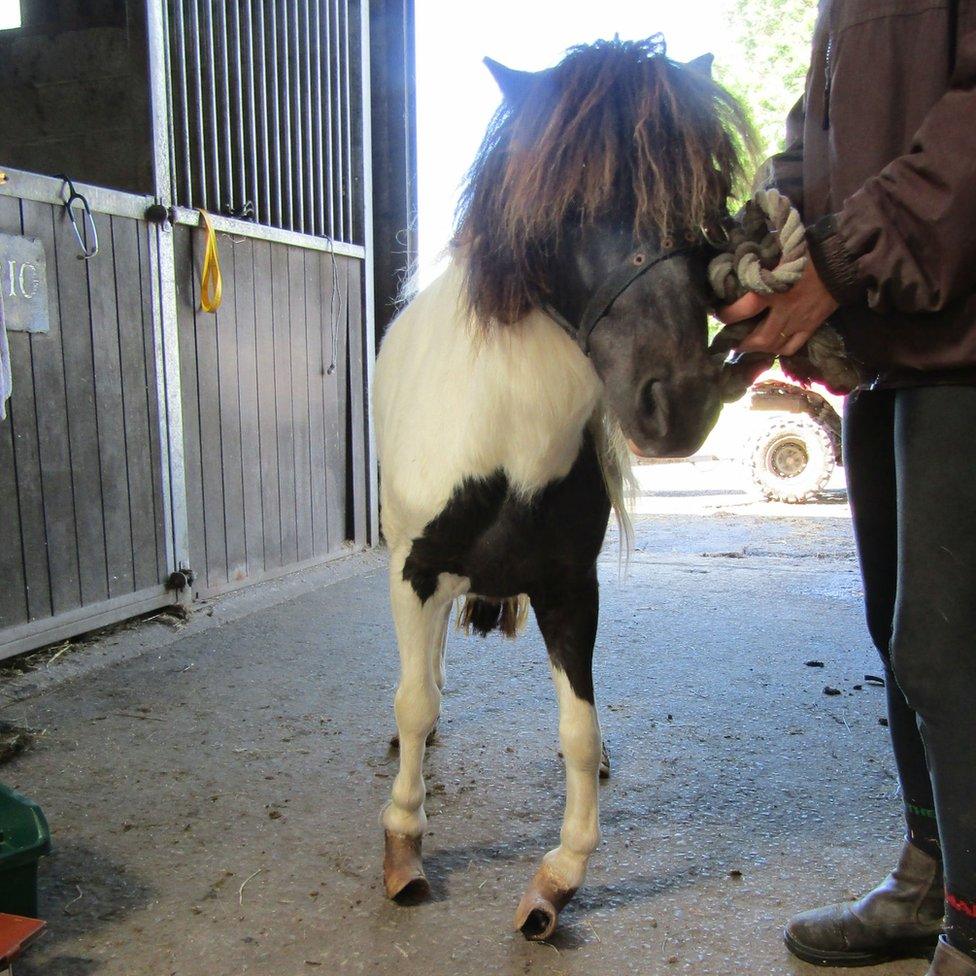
point(439, 680)
point(420, 628)
point(568, 621)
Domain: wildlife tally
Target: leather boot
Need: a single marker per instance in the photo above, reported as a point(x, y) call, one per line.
point(901, 918)
point(949, 961)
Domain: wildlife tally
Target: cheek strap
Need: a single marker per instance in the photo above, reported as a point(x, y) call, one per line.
point(601, 301)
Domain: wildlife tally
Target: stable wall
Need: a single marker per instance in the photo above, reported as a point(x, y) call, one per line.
point(73, 92)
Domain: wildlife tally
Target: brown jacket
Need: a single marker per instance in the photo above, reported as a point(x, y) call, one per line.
point(882, 162)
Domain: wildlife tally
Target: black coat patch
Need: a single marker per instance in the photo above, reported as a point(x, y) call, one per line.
point(507, 545)
point(546, 546)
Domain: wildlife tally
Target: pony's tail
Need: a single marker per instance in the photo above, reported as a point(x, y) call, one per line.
point(483, 615)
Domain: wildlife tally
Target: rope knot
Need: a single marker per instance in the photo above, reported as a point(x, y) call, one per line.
point(766, 253)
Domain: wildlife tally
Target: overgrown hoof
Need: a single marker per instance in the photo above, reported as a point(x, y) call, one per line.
point(403, 870)
point(538, 911)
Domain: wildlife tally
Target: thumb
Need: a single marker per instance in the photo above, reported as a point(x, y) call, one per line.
point(747, 307)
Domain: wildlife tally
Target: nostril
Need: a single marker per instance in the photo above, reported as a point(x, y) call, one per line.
point(648, 399)
point(654, 406)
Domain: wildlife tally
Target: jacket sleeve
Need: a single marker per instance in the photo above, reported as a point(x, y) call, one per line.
point(906, 240)
point(784, 171)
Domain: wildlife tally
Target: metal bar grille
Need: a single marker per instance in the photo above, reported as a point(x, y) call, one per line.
point(267, 112)
point(338, 133)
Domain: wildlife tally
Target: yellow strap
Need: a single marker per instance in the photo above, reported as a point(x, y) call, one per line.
point(211, 281)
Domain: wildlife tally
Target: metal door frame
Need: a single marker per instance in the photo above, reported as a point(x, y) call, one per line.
point(366, 531)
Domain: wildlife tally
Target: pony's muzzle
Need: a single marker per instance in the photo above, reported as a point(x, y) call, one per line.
point(673, 417)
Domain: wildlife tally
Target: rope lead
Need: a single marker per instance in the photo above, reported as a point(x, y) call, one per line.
point(766, 253)
point(766, 250)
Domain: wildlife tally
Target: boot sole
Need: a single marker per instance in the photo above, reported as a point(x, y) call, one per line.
point(909, 949)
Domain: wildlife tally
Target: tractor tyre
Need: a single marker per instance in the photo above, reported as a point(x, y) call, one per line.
point(792, 458)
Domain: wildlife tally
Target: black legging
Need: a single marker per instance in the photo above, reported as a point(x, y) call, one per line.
point(911, 472)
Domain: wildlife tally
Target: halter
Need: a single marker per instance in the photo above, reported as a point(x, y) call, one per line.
point(601, 301)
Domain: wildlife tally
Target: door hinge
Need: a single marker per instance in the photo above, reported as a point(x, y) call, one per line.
point(180, 579)
point(159, 213)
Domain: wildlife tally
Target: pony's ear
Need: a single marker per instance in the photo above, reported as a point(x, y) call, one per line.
point(702, 65)
point(513, 84)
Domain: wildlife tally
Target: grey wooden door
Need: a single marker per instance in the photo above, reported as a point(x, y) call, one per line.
point(81, 503)
point(265, 413)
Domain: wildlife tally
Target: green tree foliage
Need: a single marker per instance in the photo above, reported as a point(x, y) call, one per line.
point(772, 38)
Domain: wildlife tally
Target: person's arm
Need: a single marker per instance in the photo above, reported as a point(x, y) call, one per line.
point(907, 239)
point(784, 171)
point(796, 314)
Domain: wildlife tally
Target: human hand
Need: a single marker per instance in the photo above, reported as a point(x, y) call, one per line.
point(792, 318)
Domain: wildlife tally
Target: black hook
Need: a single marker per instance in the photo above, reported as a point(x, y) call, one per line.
point(87, 253)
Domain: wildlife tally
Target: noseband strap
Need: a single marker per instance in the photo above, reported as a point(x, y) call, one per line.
point(601, 301)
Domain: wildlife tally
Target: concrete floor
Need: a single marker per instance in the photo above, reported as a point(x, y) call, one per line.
point(214, 790)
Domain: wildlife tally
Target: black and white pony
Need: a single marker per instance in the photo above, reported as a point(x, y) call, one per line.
point(571, 319)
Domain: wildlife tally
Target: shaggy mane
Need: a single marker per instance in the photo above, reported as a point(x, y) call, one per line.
point(616, 130)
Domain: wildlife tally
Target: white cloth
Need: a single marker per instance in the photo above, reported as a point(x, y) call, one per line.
point(6, 379)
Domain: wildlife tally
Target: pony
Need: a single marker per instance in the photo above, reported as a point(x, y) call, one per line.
point(571, 319)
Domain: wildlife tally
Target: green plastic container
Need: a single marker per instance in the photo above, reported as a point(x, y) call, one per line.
point(24, 839)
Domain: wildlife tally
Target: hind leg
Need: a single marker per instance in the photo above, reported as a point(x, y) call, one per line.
point(441, 651)
point(419, 629)
point(568, 624)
